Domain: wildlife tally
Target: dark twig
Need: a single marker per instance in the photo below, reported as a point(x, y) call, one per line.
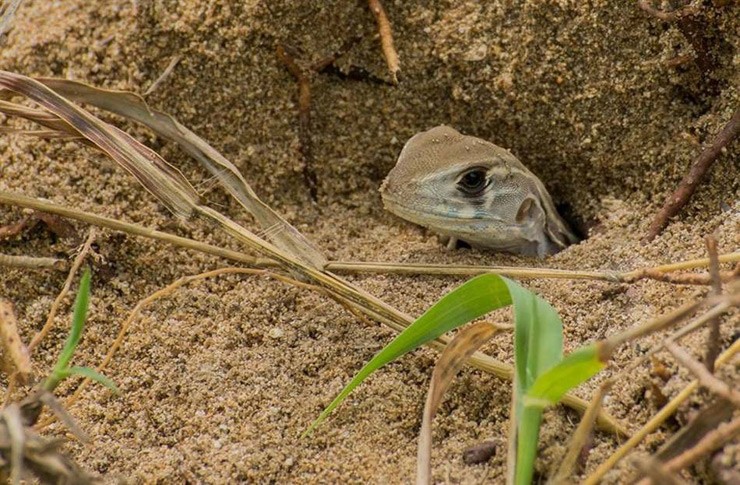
point(713, 341)
point(304, 117)
point(302, 77)
point(386, 39)
point(673, 16)
point(17, 228)
point(688, 185)
point(55, 224)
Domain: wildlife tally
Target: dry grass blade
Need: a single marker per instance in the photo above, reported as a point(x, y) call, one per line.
point(135, 108)
point(11, 340)
point(129, 228)
point(157, 176)
point(40, 117)
point(7, 10)
point(29, 451)
point(453, 358)
point(580, 437)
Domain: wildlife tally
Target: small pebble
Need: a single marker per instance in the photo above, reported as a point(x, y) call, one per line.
point(480, 453)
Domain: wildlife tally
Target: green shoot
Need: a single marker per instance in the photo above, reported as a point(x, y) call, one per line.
point(62, 370)
point(469, 301)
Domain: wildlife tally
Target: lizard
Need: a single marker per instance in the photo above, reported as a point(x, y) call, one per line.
point(474, 191)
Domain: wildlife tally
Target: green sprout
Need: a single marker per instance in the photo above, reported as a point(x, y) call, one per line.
point(62, 370)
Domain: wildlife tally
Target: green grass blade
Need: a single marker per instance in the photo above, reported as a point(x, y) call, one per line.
point(538, 336)
point(92, 374)
point(467, 302)
point(575, 369)
point(538, 346)
point(547, 389)
point(82, 302)
point(528, 431)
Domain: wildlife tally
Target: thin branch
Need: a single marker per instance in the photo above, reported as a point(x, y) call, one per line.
point(165, 74)
point(7, 11)
point(658, 473)
point(386, 39)
point(712, 441)
point(700, 167)
point(672, 16)
point(581, 435)
point(706, 379)
point(31, 262)
point(304, 117)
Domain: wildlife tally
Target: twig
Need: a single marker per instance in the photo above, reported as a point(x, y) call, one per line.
point(304, 117)
point(161, 293)
point(701, 165)
point(658, 273)
point(15, 229)
point(673, 16)
point(11, 340)
point(706, 379)
point(165, 74)
point(713, 340)
point(386, 39)
point(65, 289)
point(31, 262)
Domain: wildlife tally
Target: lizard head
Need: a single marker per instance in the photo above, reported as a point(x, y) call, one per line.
point(475, 191)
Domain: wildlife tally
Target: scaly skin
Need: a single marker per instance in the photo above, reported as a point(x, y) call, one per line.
point(472, 190)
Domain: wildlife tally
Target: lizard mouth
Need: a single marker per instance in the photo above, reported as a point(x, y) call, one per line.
point(433, 215)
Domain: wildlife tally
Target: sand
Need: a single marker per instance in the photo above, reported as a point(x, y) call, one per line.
point(219, 380)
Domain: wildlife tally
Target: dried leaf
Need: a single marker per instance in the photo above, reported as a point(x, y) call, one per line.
point(457, 352)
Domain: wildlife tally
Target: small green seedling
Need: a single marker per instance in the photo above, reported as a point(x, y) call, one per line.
point(62, 370)
point(542, 376)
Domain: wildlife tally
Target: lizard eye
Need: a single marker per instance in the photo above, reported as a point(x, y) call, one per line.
point(473, 181)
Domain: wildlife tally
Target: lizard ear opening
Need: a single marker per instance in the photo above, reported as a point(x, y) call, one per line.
point(526, 210)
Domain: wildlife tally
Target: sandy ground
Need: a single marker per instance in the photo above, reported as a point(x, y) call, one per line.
point(219, 379)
